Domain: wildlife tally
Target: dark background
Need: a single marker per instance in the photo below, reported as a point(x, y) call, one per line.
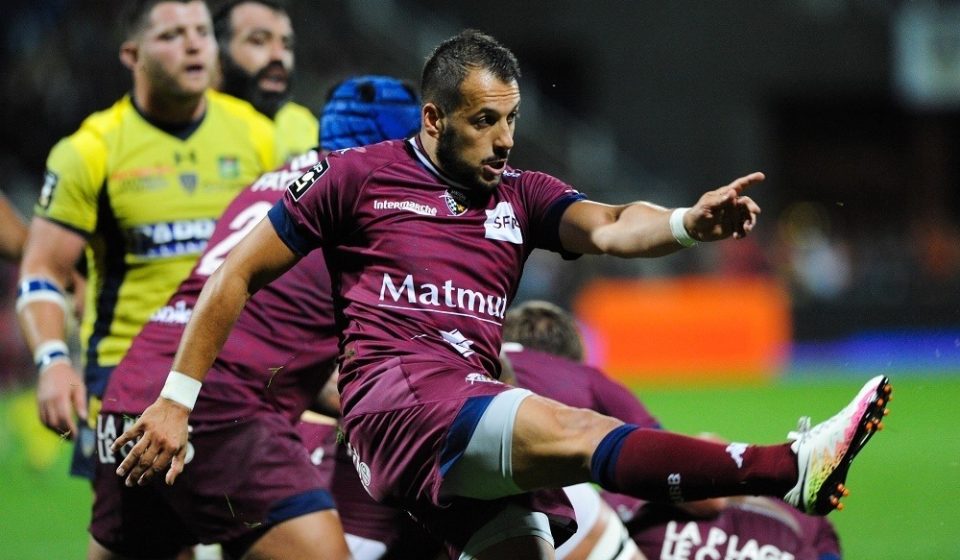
point(850, 107)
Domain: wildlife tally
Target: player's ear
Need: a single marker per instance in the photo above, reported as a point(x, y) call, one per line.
point(128, 54)
point(432, 118)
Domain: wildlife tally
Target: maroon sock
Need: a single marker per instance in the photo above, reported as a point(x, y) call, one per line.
point(657, 465)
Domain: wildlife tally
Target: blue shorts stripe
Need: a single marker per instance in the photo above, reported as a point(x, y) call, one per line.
point(300, 504)
point(461, 430)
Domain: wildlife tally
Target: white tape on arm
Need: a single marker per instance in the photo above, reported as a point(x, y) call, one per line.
point(181, 389)
point(38, 288)
point(50, 352)
point(679, 231)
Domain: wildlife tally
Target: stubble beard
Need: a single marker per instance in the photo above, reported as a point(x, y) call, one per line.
point(168, 90)
point(448, 156)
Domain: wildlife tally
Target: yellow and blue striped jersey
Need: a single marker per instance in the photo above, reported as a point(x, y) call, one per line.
point(147, 199)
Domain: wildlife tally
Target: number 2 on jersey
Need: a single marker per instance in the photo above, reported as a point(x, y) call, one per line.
point(240, 226)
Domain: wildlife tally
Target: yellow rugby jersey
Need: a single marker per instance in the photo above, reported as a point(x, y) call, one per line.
point(147, 200)
point(298, 130)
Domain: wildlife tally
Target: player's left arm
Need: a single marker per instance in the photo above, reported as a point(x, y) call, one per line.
point(642, 229)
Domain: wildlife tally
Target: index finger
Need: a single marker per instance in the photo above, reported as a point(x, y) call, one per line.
point(739, 185)
point(126, 437)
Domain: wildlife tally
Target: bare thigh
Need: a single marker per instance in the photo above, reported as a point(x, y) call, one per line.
point(315, 535)
point(553, 443)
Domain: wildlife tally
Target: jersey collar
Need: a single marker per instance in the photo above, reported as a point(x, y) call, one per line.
point(418, 151)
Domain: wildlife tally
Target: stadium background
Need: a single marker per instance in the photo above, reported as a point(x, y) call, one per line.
point(851, 107)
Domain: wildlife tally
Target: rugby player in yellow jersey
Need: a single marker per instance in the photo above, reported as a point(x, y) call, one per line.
point(257, 64)
point(138, 188)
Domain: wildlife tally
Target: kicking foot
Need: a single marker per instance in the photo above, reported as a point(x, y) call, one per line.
point(825, 452)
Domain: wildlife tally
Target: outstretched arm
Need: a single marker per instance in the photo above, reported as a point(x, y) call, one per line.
point(162, 429)
point(641, 229)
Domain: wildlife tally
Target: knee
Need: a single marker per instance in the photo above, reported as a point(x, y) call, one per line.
point(548, 429)
point(584, 428)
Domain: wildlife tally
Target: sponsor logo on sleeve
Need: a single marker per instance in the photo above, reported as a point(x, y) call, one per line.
point(50, 181)
point(502, 224)
point(303, 184)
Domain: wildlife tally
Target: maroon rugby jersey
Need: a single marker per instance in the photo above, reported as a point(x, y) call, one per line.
point(415, 273)
point(280, 351)
point(576, 384)
point(750, 527)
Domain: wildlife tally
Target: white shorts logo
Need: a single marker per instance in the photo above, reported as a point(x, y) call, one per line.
point(363, 471)
point(502, 224)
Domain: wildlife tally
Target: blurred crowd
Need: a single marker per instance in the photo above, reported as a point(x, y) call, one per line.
point(845, 270)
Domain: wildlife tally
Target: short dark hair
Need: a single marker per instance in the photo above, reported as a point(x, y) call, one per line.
point(541, 325)
point(448, 65)
point(223, 10)
point(134, 15)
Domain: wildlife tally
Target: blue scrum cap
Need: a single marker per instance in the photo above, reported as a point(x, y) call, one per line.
point(366, 110)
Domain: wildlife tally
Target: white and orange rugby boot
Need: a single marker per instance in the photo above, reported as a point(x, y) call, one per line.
point(825, 452)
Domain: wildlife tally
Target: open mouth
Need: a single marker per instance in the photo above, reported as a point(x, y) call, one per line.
point(274, 79)
point(494, 168)
point(196, 69)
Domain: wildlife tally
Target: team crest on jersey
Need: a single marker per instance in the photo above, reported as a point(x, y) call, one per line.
point(50, 181)
point(189, 182)
point(456, 202)
point(229, 167)
point(303, 184)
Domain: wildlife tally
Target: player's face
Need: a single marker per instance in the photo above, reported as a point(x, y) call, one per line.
point(477, 137)
point(177, 50)
point(258, 63)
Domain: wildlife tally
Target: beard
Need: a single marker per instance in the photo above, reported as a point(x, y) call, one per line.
point(239, 83)
point(448, 156)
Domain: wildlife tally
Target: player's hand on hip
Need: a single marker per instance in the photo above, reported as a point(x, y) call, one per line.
point(724, 212)
point(162, 433)
point(61, 396)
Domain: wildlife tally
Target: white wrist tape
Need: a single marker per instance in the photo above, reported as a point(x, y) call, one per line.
point(680, 232)
point(181, 389)
point(49, 353)
point(38, 288)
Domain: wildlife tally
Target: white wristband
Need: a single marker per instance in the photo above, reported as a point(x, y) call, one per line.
point(39, 288)
point(49, 353)
point(679, 231)
point(181, 389)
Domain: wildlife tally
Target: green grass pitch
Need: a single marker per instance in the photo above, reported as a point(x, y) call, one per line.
point(905, 486)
